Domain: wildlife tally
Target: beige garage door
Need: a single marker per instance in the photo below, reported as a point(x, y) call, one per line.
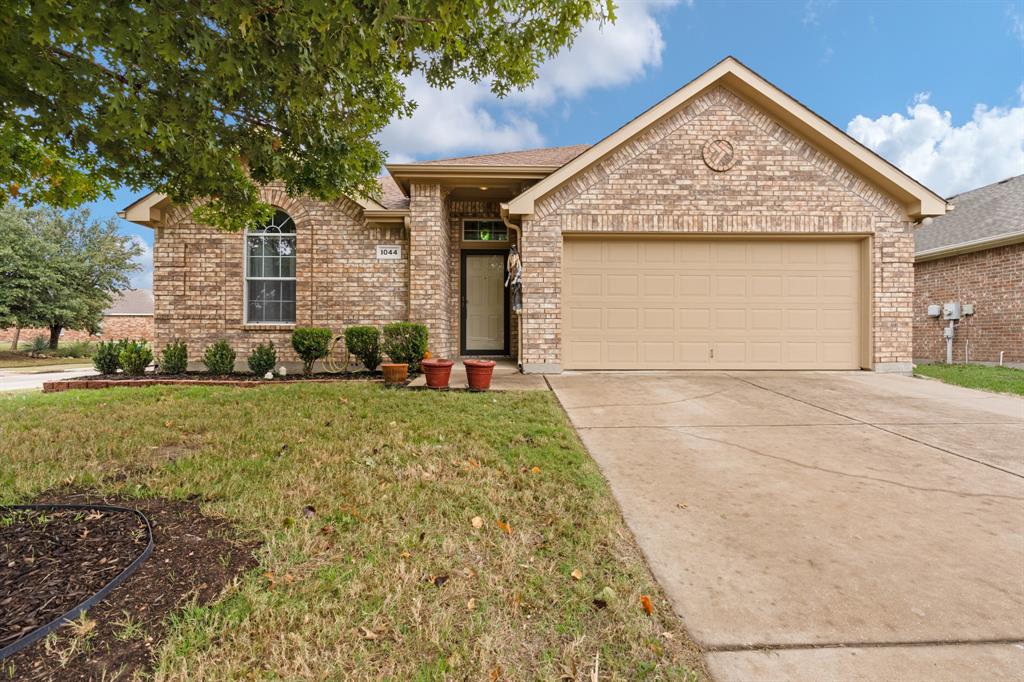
point(711, 304)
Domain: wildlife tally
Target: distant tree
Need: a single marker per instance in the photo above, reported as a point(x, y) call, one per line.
point(207, 100)
point(67, 268)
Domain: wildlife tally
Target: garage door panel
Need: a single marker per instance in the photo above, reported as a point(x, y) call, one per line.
point(690, 304)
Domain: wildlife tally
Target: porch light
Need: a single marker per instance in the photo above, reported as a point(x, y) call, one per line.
point(483, 188)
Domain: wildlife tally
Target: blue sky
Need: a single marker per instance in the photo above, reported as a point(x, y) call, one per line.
point(935, 87)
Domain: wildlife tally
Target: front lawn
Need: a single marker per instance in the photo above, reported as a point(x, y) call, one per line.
point(985, 377)
point(404, 535)
point(11, 359)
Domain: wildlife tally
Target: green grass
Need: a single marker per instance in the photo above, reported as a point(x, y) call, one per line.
point(987, 378)
point(390, 574)
point(12, 359)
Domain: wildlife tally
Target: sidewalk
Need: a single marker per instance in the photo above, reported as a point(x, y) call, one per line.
point(27, 378)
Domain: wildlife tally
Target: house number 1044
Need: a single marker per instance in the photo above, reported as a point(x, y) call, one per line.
point(387, 252)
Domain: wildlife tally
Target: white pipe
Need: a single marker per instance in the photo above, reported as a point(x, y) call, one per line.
point(967, 352)
point(949, 343)
point(1001, 357)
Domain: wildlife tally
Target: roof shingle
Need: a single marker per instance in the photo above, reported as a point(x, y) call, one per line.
point(981, 213)
point(544, 156)
point(131, 302)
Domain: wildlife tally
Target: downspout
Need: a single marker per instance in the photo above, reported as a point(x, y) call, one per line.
point(522, 313)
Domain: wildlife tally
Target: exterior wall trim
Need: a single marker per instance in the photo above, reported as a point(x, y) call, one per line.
point(969, 247)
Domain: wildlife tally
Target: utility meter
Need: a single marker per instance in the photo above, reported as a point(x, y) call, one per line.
point(951, 311)
point(934, 310)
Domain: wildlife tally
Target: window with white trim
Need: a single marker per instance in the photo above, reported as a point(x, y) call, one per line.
point(270, 272)
point(484, 231)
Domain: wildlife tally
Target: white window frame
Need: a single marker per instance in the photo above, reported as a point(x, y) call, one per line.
point(246, 278)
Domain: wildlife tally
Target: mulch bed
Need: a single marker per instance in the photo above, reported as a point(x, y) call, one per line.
point(62, 559)
point(204, 379)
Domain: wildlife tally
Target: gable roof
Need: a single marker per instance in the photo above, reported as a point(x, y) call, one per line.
point(132, 302)
point(918, 200)
point(982, 218)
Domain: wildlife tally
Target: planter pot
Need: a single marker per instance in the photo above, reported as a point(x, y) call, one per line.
point(478, 373)
point(438, 372)
point(395, 372)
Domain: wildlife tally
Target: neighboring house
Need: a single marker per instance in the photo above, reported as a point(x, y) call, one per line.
point(130, 316)
point(727, 227)
point(973, 255)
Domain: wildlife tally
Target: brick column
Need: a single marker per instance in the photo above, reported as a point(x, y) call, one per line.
point(430, 266)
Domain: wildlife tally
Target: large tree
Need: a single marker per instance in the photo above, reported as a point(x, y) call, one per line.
point(206, 99)
point(61, 269)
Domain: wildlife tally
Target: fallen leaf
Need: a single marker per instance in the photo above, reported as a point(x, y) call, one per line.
point(577, 574)
point(271, 580)
point(368, 633)
point(535, 470)
point(327, 530)
point(507, 527)
point(645, 601)
point(477, 522)
point(496, 675)
point(600, 604)
point(682, 506)
point(439, 580)
point(309, 511)
point(473, 464)
point(406, 555)
point(471, 604)
point(668, 635)
point(288, 578)
point(168, 424)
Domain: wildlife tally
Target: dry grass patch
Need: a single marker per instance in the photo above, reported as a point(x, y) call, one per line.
point(406, 535)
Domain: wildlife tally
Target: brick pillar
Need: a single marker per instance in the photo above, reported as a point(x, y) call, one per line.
point(541, 320)
point(430, 266)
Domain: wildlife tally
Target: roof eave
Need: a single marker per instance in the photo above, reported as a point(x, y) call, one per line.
point(146, 211)
point(969, 247)
point(405, 173)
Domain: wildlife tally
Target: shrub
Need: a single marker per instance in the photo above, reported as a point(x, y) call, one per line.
point(135, 357)
point(174, 359)
point(106, 359)
point(219, 358)
point(406, 342)
point(262, 358)
point(39, 344)
point(77, 349)
point(364, 343)
point(311, 344)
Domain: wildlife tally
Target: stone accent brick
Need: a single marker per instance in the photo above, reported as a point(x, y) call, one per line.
point(993, 280)
point(658, 183)
point(199, 277)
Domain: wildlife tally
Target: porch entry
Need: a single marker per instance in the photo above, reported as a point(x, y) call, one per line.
point(484, 321)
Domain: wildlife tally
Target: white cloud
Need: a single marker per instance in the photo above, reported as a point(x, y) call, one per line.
point(947, 158)
point(1016, 25)
point(143, 279)
point(469, 119)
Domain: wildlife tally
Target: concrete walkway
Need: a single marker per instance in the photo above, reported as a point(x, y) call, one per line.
point(506, 377)
point(822, 526)
point(28, 378)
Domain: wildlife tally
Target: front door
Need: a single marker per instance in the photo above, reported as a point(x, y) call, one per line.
point(483, 303)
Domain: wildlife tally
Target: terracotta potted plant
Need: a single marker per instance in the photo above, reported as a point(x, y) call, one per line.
point(478, 373)
point(395, 372)
point(438, 371)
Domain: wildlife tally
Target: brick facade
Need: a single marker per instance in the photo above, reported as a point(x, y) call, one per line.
point(199, 277)
point(430, 267)
point(993, 280)
point(658, 183)
point(113, 327)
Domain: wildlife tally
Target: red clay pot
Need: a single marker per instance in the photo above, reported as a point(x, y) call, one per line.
point(395, 372)
point(438, 372)
point(478, 373)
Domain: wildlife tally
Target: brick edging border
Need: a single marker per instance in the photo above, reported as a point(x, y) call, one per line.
point(58, 386)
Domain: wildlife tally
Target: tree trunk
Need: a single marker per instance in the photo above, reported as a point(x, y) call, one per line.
point(17, 336)
point(55, 331)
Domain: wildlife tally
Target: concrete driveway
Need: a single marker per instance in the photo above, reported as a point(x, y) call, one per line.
point(822, 526)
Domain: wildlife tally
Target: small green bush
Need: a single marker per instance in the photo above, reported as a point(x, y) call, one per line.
point(262, 358)
point(311, 344)
point(219, 358)
point(406, 342)
point(77, 349)
point(135, 357)
point(39, 344)
point(106, 359)
point(364, 343)
point(174, 359)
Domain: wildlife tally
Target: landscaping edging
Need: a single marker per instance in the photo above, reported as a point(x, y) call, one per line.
point(69, 384)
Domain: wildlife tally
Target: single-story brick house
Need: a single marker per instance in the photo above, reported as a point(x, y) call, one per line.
point(130, 316)
point(973, 255)
point(728, 226)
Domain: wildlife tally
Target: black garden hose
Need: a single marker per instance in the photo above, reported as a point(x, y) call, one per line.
point(69, 616)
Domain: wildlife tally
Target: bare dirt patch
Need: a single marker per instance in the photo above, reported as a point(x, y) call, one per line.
point(194, 557)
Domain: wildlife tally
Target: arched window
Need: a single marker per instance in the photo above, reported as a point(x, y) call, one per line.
point(270, 272)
